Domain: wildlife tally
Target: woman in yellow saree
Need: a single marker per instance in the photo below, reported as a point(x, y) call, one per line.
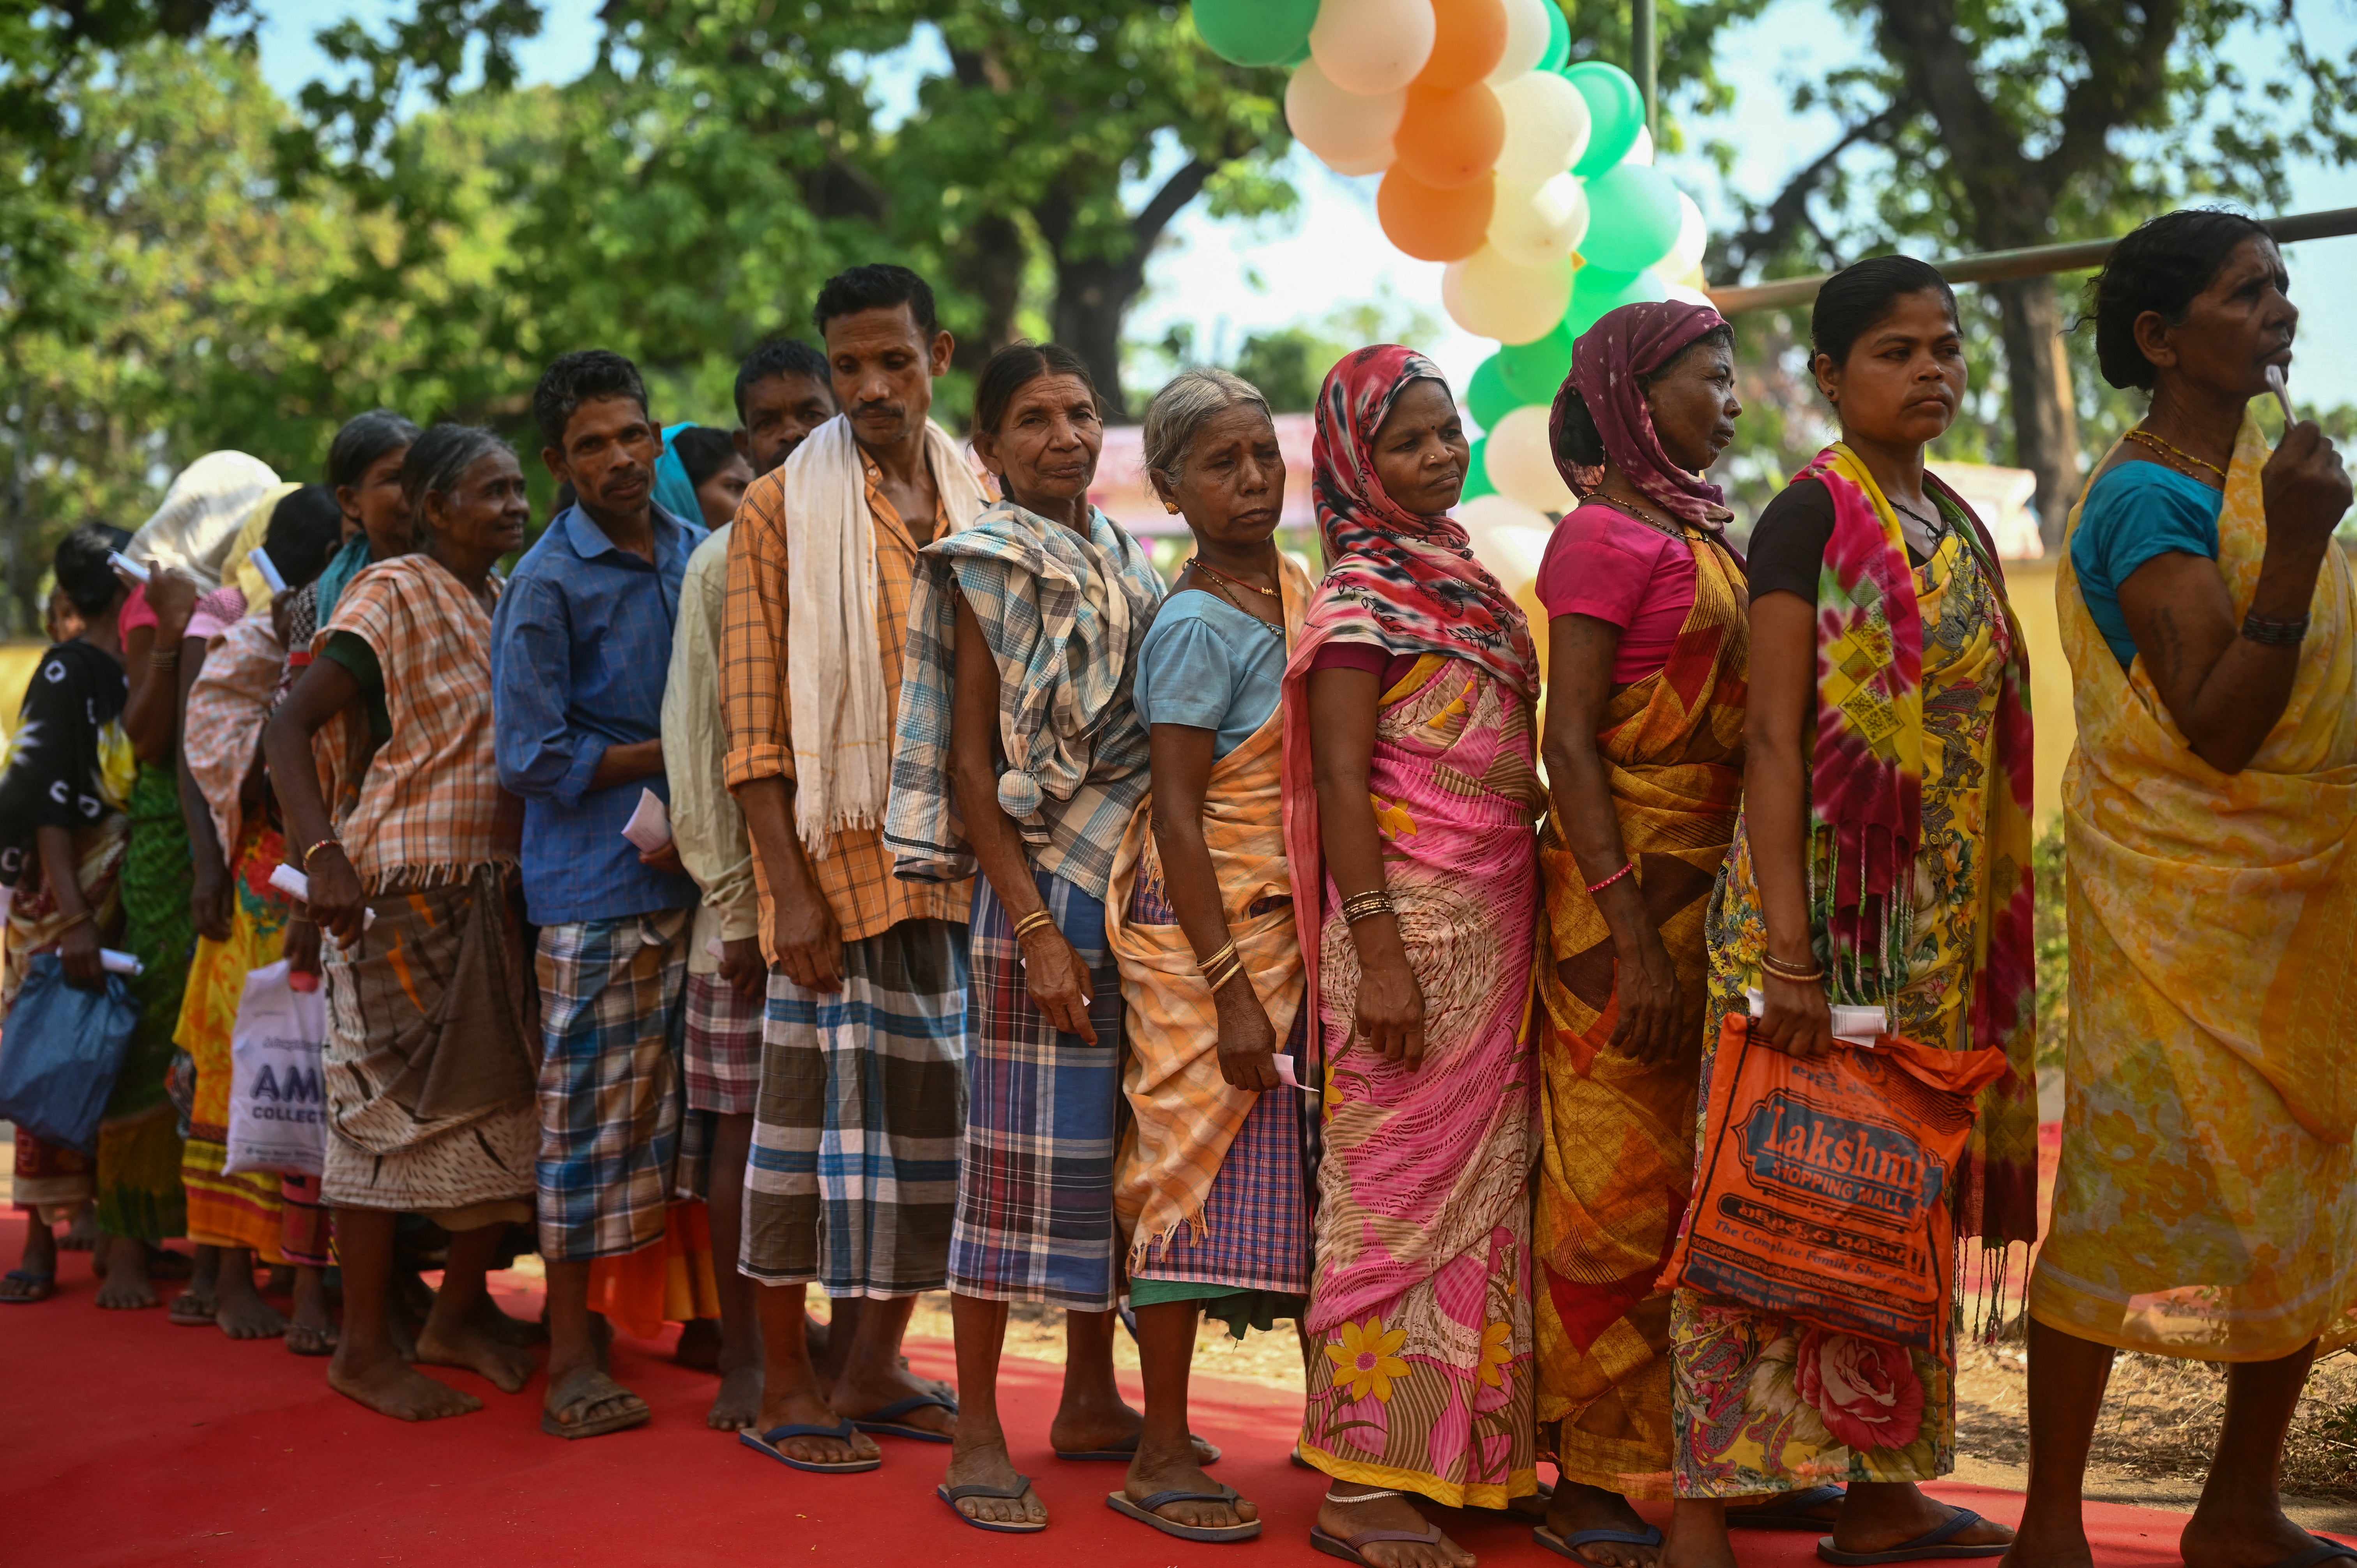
point(2206, 1205)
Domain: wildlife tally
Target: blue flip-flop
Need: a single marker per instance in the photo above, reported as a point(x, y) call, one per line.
point(1790, 1511)
point(888, 1420)
point(2325, 1550)
point(841, 1431)
point(1569, 1545)
point(951, 1494)
point(1934, 1542)
point(1123, 1453)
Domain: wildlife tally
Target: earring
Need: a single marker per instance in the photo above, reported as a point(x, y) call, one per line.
point(1170, 507)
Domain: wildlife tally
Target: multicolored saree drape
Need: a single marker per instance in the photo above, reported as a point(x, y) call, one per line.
point(1616, 1135)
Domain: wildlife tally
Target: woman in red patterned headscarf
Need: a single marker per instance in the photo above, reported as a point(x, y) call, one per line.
point(1410, 791)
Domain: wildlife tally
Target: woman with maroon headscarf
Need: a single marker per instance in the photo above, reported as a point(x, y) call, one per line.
point(1648, 659)
point(1409, 794)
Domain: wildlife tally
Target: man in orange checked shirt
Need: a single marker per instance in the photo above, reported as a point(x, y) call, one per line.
point(852, 1175)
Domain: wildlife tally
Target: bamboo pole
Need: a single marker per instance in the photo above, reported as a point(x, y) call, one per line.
point(1645, 54)
point(2003, 266)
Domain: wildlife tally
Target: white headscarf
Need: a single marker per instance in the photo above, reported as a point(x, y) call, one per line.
point(201, 513)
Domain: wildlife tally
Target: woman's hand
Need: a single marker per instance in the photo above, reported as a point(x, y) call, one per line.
point(1057, 980)
point(1796, 1019)
point(172, 594)
point(78, 951)
point(303, 946)
point(1651, 1029)
point(2306, 489)
point(744, 968)
point(339, 903)
point(1390, 1015)
point(1247, 1039)
point(209, 895)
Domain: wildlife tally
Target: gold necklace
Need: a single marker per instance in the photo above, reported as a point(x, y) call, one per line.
point(1199, 564)
point(1659, 524)
point(2139, 434)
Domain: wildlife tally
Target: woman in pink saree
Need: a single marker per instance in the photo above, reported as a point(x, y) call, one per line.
point(1410, 799)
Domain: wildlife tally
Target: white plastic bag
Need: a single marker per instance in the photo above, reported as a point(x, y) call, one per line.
point(277, 1111)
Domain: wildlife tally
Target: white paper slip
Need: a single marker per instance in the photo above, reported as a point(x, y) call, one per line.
point(1853, 1024)
point(127, 565)
point(267, 567)
point(295, 885)
point(115, 963)
point(712, 945)
point(649, 826)
point(2283, 398)
point(1284, 1075)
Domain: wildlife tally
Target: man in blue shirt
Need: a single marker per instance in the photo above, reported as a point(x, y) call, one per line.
point(580, 646)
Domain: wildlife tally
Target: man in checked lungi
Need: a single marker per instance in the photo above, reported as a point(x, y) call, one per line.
point(852, 1177)
point(580, 646)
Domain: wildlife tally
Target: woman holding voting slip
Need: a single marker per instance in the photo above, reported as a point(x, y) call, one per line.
point(1881, 860)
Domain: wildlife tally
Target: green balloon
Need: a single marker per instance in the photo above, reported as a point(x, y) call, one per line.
point(1633, 219)
point(1534, 371)
point(1595, 290)
point(1616, 112)
point(1558, 44)
point(1299, 54)
point(1476, 475)
point(1255, 32)
point(1486, 394)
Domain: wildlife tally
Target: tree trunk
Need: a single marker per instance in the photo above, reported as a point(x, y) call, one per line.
point(990, 268)
point(1092, 294)
point(2045, 415)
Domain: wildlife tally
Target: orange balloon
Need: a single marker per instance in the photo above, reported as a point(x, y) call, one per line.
point(1450, 138)
point(1432, 224)
point(1467, 43)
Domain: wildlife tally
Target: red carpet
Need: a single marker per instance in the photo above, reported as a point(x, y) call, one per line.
point(129, 1441)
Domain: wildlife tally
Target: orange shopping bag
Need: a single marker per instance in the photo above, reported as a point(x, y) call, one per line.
point(1825, 1192)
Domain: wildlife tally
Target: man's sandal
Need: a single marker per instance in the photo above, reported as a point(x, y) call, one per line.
point(841, 1431)
point(952, 1496)
point(1148, 1511)
point(584, 1390)
point(1789, 1511)
point(886, 1420)
point(37, 1286)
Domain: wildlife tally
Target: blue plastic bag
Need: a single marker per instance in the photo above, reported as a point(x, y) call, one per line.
point(62, 1049)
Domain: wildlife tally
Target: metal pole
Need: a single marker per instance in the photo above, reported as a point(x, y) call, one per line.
point(2003, 266)
point(1642, 50)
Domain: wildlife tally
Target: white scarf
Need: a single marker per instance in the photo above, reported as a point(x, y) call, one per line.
point(835, 680)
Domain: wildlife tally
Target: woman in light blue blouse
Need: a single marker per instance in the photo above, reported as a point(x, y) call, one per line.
point(1210, 1189)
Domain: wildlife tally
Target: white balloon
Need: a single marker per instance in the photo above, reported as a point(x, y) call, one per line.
point(1640, 151)
point(1340, 127)
point(1693, 237)
point(1381, 158)
point(1509, 538)
point(1373, 46)
point(1526, 39)
point(1546, 127)
point(1521, 462)
point(1688, 293)
point(1490, 296)
point(1533, 226)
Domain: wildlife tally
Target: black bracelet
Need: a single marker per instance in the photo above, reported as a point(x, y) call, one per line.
point(2274, 633)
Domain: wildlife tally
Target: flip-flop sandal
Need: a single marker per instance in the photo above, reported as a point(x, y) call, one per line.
point(1569, 1545)
point(1348, 1548)
point(767, 1442)
point(1145, 1512)
point(887, 1419)
point(952, 1496)
point(1123, 1453)
point(1790, 1511)
point(302, 1339)
point(584, 1390)
point(1932, 1543)
point(2325, 1550)
point(199, 1311)
point(43, 1286)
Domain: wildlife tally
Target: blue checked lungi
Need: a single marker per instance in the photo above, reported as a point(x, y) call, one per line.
point(1035, 1189)
point(611, 1012)
point(853, 1175)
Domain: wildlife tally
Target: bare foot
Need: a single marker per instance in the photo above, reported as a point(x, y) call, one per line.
point(1079, 1429)
point(738, 1403)
point(1152, 1473)
point(125, 1287)
point(699, 1345)
point(470, 1348)
point(983, 1463)
point(858, 1395)
point(390, 1386)
point(83, 1234)
point(312, 1330)
point(805, 1408)
point(1882, 1518)
point(1577, 1506)
point(2218, 1536)
point(1697, 1536)
point(2059, 1544)
point(242, 1314)
point(1391, 1511)
point(36, 1271)
point(487, 1317)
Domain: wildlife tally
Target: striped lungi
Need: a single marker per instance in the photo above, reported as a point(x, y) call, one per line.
point(723, 1047)
point(611, 1013)
point(853, 1173)
point(1035, 1218)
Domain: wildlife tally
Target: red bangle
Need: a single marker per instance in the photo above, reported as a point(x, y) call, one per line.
point(1625, 867)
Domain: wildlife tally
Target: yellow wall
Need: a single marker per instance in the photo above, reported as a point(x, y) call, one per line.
point(18, 662)
point(2031, 585)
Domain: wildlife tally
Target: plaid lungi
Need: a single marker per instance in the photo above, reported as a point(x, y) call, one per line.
point(1035, 1189)
point(853, 1173)
point(611, 1013)
point(723, 1047)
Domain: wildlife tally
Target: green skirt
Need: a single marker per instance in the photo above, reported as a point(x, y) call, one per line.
point(139, 1191)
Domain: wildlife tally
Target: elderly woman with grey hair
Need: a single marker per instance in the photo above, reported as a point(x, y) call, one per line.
point(1210, 1187)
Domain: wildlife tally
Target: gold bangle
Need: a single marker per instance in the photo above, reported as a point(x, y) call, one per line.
point(163, 658)
point(73, 920)
point(1235, 967)
point(331, 842)
point(1032, 922)
point(1784, 971)
point(1205, 966)
point(1364, 906)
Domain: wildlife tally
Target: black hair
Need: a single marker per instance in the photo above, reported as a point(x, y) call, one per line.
point(83, 570)
point(704, 451)
point(305, 527)
point(879, 285)
point(364, 438)
point(440, 458)
point(1859, 295)
point(1015, 367)
point(781, 357)
point(578, 378)
point(1576, 439)
point(2163, 266)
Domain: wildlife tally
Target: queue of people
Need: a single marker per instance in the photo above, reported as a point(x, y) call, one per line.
point(1242, 946)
